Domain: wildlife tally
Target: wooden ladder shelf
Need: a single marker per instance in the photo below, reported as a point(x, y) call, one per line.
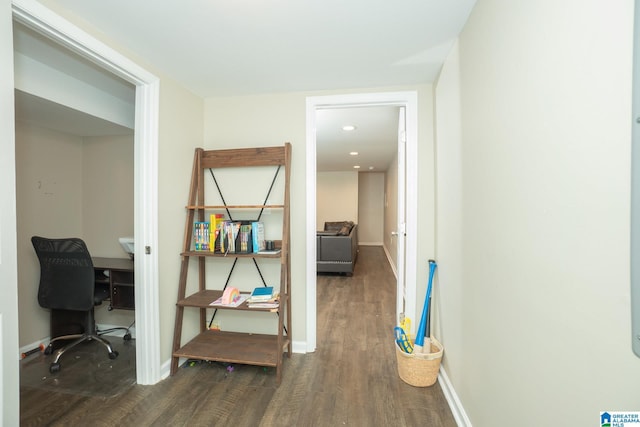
point(223, 346)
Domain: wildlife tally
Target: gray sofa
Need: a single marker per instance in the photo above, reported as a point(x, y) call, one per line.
point(337, 247)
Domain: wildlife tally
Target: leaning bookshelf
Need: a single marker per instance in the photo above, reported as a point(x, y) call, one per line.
point(233, 347)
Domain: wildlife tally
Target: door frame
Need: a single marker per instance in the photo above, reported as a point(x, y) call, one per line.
point(409, 100)
point(46, 22)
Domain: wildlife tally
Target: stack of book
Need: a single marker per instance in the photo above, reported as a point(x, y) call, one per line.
point(263, 297)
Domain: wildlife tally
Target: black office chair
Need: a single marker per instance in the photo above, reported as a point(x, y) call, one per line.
point(67, 283)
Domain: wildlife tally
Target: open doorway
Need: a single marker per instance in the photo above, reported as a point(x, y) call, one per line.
point(74, 165)
point(408, 102)
point(45, 22)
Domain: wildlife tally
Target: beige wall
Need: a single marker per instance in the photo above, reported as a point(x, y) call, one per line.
point(336, 197)
point(275, 118)
point(107, 196)
point(48, 203)
point(267, 120)
point(68, 186)
point(533, 168)
point(371, 208)
point(107, 205)
point(180, 132)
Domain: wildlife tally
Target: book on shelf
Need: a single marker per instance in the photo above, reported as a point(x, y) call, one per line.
point(261, 294)
point(246, 241)
point(201, 235)
point(257, 228)
point(267, 304)
point(234, 303)
point(234, 237)
point(214, 231)
point(274, 302)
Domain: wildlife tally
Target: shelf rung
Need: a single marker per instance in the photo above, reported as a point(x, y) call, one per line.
point(235, 206)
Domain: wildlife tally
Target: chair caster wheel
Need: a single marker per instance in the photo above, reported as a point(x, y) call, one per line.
point(48, 350)
point(55, 367)
point(127, 336)
point(113, 355)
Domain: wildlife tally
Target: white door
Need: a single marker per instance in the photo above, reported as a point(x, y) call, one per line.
point(9, 362)
point(400, 233)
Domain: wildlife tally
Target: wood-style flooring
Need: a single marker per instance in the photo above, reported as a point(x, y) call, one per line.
point(350, 380)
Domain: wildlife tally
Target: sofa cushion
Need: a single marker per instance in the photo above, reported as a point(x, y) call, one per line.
point(342, 228)
point(345, 230)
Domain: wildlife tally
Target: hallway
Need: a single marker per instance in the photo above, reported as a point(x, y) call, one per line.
point(351, 379)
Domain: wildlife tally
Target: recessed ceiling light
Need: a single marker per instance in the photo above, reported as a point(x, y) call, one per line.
point(353, 153)
point(356, 167)
point(371, 168)
point(348, 128)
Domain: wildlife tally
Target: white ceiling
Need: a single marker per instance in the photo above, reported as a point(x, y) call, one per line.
point(241, 47)
point(34, 108)
point(374, 139)
point(220, 48)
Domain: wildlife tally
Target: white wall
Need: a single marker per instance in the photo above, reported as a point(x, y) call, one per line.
point(537, 324)
point(448, 294)
point(41, 80)
point(9, 373)
point(371, 208)
point(336, 197)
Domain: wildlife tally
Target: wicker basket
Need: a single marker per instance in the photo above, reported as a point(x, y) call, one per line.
point(420, 370)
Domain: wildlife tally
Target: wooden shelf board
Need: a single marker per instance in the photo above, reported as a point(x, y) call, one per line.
point(203, 299)
point(232, 255)
point(222, 207)
point(234, 347)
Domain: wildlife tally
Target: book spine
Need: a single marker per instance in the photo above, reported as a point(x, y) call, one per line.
point(214, 231)
point(258, 236)
point(201, 231)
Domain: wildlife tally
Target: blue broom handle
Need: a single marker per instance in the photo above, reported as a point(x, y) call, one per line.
point(421, 332)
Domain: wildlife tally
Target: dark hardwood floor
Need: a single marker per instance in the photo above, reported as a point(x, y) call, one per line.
point(351, 379)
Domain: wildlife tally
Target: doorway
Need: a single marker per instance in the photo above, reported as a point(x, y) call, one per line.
point(408, 100)
point(42, 20)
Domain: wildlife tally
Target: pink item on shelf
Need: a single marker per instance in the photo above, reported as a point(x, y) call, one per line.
point(230, 295)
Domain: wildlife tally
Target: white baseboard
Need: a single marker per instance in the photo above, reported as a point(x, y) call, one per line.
point(118, 332)
point(391, 263)
point(459, 414)
point(299, 347)
point(101, 327)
